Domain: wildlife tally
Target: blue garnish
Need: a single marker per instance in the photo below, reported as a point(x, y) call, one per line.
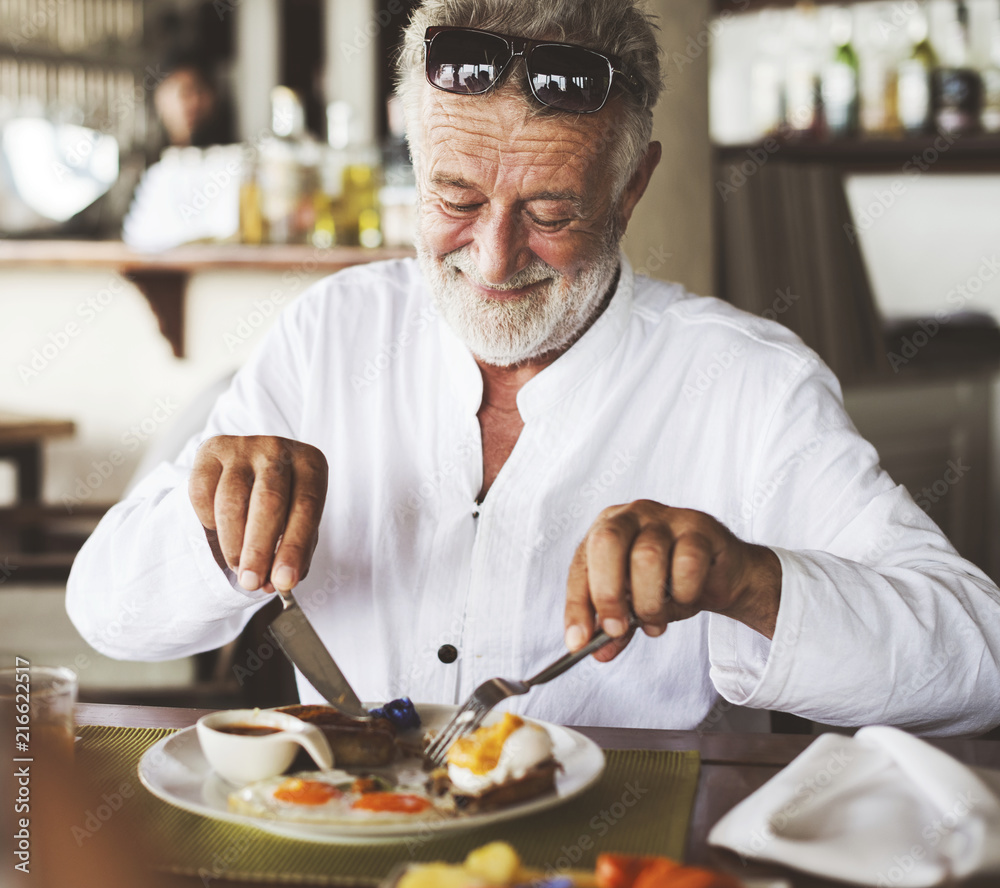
point(555, 882)
point(400, 712)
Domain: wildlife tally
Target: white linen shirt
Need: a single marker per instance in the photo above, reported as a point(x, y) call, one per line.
point(682, 400)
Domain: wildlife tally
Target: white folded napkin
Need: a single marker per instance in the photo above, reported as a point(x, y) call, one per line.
point(881, 808)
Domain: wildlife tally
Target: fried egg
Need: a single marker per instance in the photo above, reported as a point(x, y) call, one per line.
point(497, 754)
point(334, 797)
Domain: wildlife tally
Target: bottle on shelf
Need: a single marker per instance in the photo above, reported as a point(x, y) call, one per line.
point(957, 89)
point(351, 179)
point(287, 177)
point(839, 90)
point(913, 86)
point(879, 52)
point(398, 195)
point(990, 116)
point(760, 46)
point(252, 230)
point(801, 118)
point(766, 97)
point(329, 192)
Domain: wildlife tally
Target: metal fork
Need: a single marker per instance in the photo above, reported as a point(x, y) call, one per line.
point(491, 692)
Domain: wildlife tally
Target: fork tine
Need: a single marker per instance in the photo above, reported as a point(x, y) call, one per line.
point(439, 749)
point(475, 723)
point(457, 727)
point(441, 743)
point(460, 725)
point(447, 735)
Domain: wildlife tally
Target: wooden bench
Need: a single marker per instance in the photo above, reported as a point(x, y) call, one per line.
point(39, 540)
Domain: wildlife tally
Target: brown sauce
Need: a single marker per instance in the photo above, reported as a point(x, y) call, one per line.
point(248, 730)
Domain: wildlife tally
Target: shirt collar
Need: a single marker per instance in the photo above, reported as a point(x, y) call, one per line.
point(543, 391)
point(461, 368)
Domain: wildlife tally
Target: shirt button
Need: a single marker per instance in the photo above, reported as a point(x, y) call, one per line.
point(447, 653)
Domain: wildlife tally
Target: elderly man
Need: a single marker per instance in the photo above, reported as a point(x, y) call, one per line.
point(425, 450)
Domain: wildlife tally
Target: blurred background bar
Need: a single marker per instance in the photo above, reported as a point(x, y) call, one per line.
point(856, 156)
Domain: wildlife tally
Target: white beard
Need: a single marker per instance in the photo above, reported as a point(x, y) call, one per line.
point(508, 332)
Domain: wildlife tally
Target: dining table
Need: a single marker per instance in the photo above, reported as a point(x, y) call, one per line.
point(732, 766)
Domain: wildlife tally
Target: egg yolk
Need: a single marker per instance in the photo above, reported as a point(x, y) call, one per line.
point(306, 792)
point(479, 751)
point(395, 802)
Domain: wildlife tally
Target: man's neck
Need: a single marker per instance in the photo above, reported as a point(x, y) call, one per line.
point(501, 384)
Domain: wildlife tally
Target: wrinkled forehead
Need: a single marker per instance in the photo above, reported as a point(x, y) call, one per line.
point(497, 140)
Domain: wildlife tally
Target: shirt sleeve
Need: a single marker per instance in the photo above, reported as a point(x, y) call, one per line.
point(880, 621)
point(145, 585)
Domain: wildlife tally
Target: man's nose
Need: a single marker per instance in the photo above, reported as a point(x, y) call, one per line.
point(501, 247)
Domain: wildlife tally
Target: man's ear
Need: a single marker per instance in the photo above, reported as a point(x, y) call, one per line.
point(637, 184)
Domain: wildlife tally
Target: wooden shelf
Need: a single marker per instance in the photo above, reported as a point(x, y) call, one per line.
point(196, 257)
point(738, 6)
point(16, 429)
point(163, 277)
point(973, 153)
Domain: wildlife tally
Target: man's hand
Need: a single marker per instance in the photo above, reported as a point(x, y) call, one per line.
point(671, 563)
point(251, 492)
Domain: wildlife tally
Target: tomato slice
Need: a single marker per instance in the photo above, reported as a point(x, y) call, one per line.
point(658, 875)
point(394, 802)
point(621, 870)
point(362, 785)
point(306, 792)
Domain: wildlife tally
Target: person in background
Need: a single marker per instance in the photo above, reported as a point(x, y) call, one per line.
point(169, 208)
point(188, 104)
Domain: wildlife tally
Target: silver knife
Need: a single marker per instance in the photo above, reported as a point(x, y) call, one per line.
point(296, 636)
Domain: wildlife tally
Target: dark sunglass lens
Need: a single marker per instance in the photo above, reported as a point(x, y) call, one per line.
point(569, 77)
point(465, 62)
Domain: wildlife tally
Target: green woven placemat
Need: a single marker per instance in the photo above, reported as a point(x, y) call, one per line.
point(641, 805)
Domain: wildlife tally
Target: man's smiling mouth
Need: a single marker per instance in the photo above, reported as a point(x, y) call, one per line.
point(505, 294)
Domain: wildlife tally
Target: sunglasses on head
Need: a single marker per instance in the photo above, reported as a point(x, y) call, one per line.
point(469, 62)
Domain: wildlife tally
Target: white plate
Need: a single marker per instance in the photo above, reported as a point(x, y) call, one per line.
point(175, 770)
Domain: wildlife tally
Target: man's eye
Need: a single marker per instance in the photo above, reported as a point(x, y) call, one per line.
point(550, 224)
point(462, 208)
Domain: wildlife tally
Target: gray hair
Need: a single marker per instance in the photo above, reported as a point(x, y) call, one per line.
point(618, 27)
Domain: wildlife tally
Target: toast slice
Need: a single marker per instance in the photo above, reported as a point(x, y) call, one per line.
point(537, 781)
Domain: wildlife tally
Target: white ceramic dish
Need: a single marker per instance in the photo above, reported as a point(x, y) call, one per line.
point(244, 759)
point(175, 770)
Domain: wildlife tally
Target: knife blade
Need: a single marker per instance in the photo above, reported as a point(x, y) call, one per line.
point(297, 638)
